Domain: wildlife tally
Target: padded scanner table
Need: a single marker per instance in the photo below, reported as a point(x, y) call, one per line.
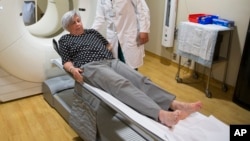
point(118, 122)
point(112, 123)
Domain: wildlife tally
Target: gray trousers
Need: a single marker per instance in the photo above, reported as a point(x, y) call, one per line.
point(128, 85)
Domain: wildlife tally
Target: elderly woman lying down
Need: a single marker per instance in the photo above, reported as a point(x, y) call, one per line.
point(87, 55)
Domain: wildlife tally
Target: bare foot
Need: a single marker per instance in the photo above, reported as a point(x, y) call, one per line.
point(186, 108)
point(169, 118)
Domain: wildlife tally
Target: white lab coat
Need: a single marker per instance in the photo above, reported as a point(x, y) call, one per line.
point(124, 20)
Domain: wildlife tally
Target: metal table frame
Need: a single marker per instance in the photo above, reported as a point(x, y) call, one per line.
point(221, 59)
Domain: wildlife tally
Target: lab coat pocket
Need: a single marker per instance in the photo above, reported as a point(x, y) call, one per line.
point(130, 39)
point(132, 52)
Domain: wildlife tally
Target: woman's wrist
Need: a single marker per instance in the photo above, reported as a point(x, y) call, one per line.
point(71, 68)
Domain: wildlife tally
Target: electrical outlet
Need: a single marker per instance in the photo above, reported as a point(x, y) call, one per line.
point(189, 61)
point(174, 56)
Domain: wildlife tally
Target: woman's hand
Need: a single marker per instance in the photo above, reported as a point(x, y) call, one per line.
point(77, 74)
point(109, 47)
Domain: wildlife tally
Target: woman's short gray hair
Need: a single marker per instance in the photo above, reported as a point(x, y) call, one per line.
point(67, 18)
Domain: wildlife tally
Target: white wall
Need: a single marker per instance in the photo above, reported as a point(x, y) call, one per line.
point(237, 10)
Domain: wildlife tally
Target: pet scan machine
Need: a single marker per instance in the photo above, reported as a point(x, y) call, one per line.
point(82, 106)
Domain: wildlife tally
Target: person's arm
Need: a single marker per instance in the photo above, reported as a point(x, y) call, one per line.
point(76, 72)
point(143, 16)
point(67, 64)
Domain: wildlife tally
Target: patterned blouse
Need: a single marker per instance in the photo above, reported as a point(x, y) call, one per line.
point(81, 49)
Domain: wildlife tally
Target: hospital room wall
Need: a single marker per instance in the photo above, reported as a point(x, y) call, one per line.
point(237, 10)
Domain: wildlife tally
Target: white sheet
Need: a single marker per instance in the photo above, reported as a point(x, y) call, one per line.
point(197, 41)
point(196, 127)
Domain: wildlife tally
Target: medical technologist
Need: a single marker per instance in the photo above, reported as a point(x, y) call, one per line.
point(127, 27)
